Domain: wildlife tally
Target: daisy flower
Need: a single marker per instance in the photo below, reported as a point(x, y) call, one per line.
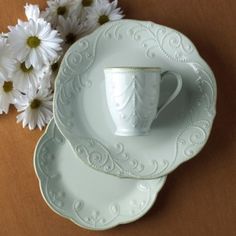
point(101, 12)
point(8, 94)
point(58, 8)
point(70, 29)
point(6, 61)
point(26, 78)
point(35, 108)
point(34, 42)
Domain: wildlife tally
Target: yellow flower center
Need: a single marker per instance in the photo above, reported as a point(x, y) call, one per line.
point(33, 41)
point(35, 104)
point(103, 19)
point(25, 69)
point(70, 38)
point(7, 86)
point(87, 3)
point(61, 11)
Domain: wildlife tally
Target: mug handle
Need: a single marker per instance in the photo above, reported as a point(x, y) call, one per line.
point(174, 94)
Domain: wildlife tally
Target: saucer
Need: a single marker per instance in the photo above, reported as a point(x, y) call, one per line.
point(81, 111)
point(91, 199)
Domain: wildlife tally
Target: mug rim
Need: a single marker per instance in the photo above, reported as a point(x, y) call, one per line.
point(132, 68)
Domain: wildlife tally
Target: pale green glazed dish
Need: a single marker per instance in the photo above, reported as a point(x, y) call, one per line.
point(91, 199)
point(81, 112)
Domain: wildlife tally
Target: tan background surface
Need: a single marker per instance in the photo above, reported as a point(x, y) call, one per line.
point(199, 198)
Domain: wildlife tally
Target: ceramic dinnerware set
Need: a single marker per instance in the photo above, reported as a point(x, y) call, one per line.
point(133, 101)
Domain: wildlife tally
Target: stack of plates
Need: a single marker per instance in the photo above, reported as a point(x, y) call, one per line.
point(95, 178)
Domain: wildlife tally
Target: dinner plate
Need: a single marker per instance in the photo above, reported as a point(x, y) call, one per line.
point(81, 112)
point(89, 198)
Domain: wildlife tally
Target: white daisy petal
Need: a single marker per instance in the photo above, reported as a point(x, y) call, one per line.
point(19, 118)
point(32, 12)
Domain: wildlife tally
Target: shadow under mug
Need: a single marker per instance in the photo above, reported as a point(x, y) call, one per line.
point(133, 94)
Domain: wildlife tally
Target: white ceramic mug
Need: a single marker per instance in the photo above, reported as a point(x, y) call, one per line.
point(133, 97)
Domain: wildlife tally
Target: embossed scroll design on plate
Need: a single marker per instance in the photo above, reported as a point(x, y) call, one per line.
point(153, 39)
point(80, 210)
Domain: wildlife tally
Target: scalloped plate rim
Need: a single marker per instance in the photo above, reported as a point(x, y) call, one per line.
point(161, 182)
point(213, 106)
